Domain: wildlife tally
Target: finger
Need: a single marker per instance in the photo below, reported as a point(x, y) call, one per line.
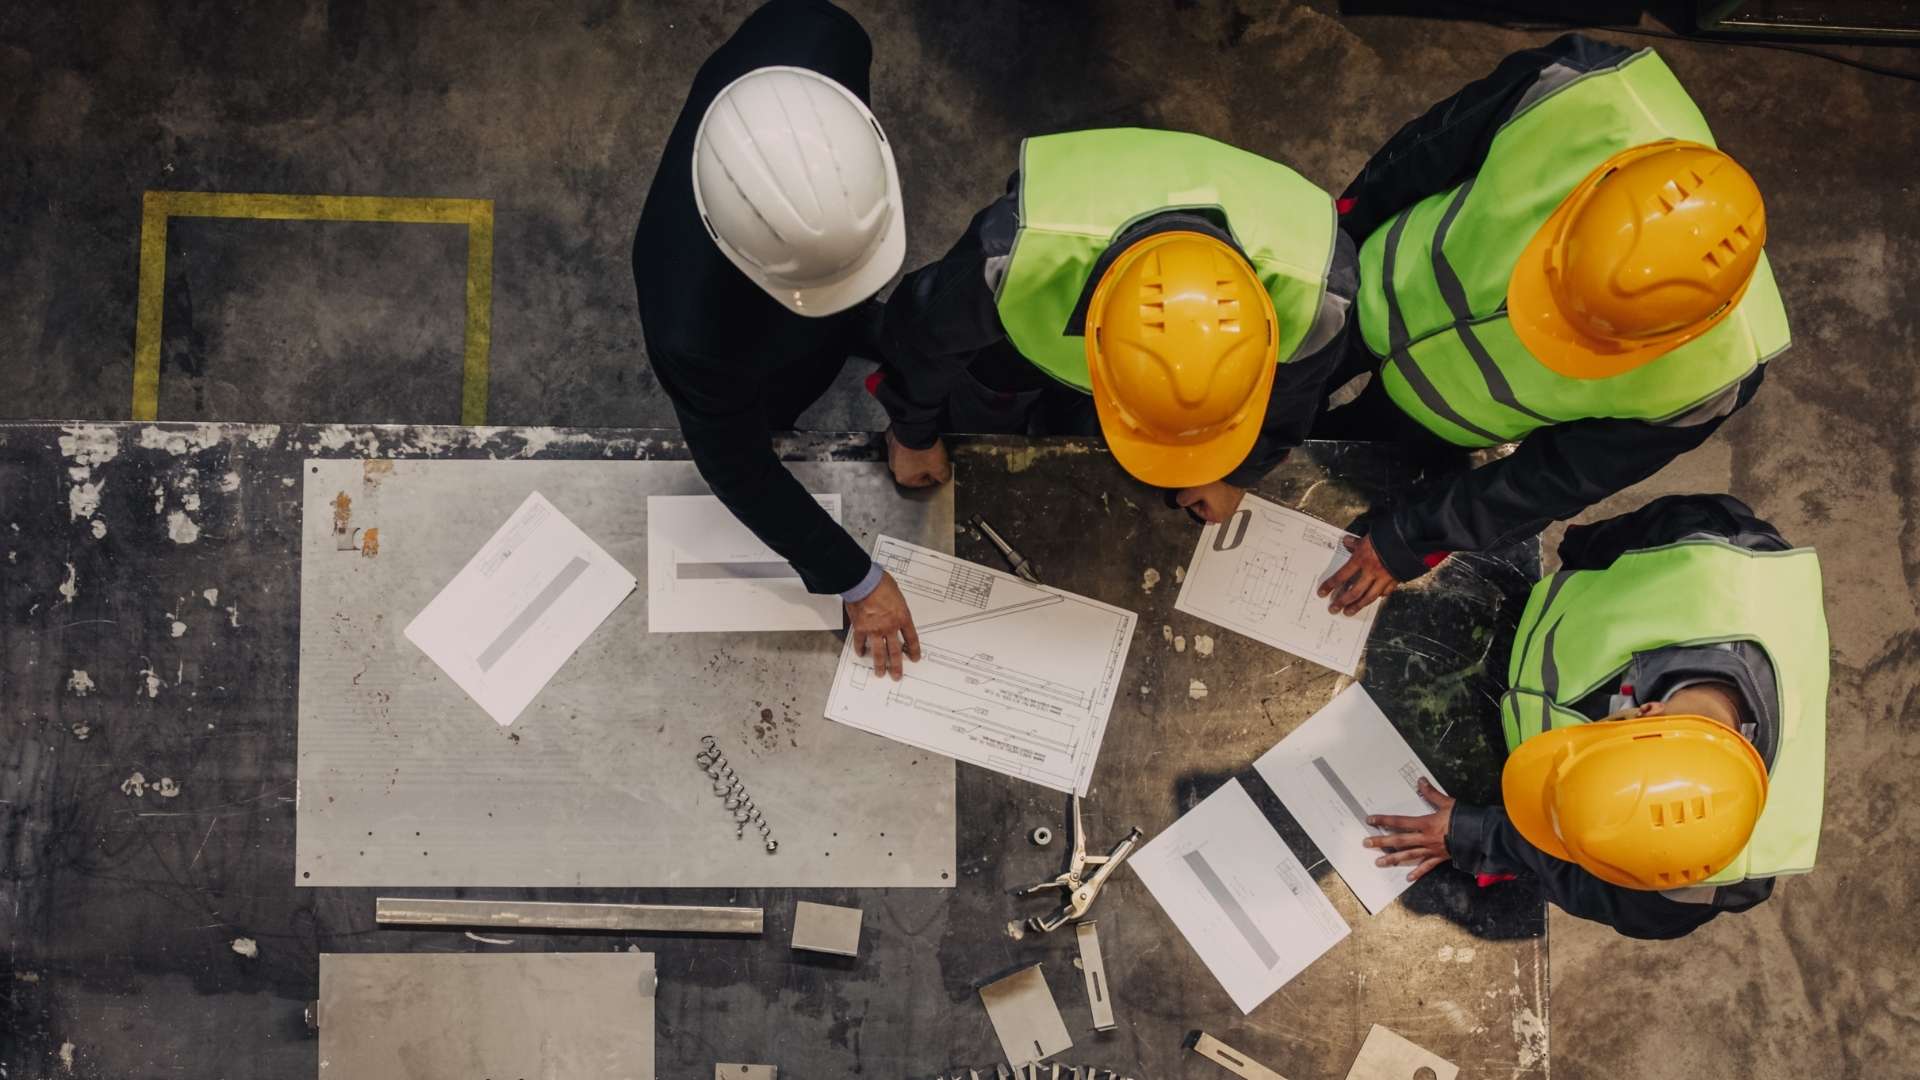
point(879, 646)
point(1399, 841)
point(1350, 542)
point(913, 640)
point(1186, 496)
point(1375, 590)
point(1339, 578)
point(1407, 855)
point(859, 642)
point(895, 656)
point(1421, 870)
point(1436, 798)
point(1211, 512)
point(1357, 587)
point(1397, 822)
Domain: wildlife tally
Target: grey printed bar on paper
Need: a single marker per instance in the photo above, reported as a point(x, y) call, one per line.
point(531, 613)
point(1340, 788)
point(695, 571)
point(1230, 904)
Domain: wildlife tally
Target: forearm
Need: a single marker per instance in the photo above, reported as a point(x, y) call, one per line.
point(735, 456)
point(1555, 473)
point(937, 319)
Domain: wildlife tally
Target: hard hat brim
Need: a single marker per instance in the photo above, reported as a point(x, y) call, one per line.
point(1178, 465)
point(1552, 340)
point(1524, 784)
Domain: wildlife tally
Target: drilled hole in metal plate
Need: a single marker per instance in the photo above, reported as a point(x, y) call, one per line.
point(1425, 1072)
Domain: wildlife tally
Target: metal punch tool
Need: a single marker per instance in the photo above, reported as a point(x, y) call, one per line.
point(1081, 890)
point(1014, 559)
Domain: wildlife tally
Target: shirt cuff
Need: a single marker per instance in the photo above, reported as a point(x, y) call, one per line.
point(1469, 837)
point(1404, 563)
point(865, 588)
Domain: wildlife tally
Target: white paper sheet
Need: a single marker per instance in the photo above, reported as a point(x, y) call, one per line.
point(1345, 763)
point(1238, 895)
point(1258, 573)
point(519, 608)
point(708, 572)
point(1014, 677)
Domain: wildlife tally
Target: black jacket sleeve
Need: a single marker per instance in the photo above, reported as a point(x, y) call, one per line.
point(726, 431)
point(1449, 142)
point(1555, 473)
point(1663, 521)
point(1482, 841)
point(938, 318)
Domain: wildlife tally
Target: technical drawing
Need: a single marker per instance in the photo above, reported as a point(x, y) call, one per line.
point(1014, 677)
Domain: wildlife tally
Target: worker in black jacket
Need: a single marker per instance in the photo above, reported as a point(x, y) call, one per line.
point(773, 219)
point(1557, 258)
point(1666, 725)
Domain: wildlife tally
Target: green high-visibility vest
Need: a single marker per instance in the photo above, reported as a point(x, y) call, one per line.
point(1582, 628)
point(1080, 190)
point(1433, 280)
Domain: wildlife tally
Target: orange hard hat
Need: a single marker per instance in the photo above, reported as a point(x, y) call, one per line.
point(1181, 343)
point(1650, 251)
point(1663, 802)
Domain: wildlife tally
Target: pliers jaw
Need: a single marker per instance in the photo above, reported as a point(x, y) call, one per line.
point(1081, 889)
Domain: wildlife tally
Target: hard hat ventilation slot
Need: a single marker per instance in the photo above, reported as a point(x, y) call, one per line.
point(1659, 816)
point(1699, 807)
point(1679, 808)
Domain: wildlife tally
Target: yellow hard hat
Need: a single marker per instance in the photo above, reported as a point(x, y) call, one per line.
point(1663, 802)
point(1181, 343)
point(1650, 251)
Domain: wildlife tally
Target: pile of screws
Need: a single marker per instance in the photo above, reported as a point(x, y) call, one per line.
point(727, 785)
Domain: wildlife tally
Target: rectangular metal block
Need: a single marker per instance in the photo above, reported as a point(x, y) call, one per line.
point(1387, 1055)
point(1232, 1060)
point(455, 1017)
point(1094, 967)
point(1025, 1017)
point(523, 915)
point(404, 781)
point(826, 928)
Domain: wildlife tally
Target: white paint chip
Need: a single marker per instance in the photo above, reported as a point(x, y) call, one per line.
point(213, 597)
point(135, 785)
point(1180, 643)
point(181, 529)
point(1196, 689)
point(230, 482)
point(70, 588)
point(80, 683)
point(83, 500)
point(1149, 579)
point(153, 683)
point(166, 788)
point(66, 1056)
point(246, 947)
point(178, 628)
point(99, 529)
point(1203, 644)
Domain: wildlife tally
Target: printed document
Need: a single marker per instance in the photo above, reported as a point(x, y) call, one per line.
point(1259, 573)
point(1345, 763)
point(1014, 677)
point(508, 620)
point(1238, 895)
point(706, 571)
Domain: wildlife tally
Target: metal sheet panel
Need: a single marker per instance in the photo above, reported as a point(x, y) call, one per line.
point(454, 1017)
point(404, 781)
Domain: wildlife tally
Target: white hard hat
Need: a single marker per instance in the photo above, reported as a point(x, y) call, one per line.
point(797, 185)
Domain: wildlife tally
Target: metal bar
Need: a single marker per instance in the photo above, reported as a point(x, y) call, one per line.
point(650, 918)
point(1232, 1060)
point(1099, 991)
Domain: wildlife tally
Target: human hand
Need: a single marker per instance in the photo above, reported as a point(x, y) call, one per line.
point(1360, 581)
point(918, 468)
point(881, 626)
point(1212, 503)
point(1421, 840)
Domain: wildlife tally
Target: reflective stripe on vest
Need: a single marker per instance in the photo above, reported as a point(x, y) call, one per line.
point(1081, 190)
point(1582, 628)
point(1433, 281)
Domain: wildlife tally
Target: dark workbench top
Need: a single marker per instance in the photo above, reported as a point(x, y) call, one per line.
point(121, 905)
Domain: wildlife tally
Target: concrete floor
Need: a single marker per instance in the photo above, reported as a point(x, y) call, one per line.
point(556, 111)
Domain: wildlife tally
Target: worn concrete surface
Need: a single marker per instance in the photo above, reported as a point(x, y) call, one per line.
point(556, 110)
